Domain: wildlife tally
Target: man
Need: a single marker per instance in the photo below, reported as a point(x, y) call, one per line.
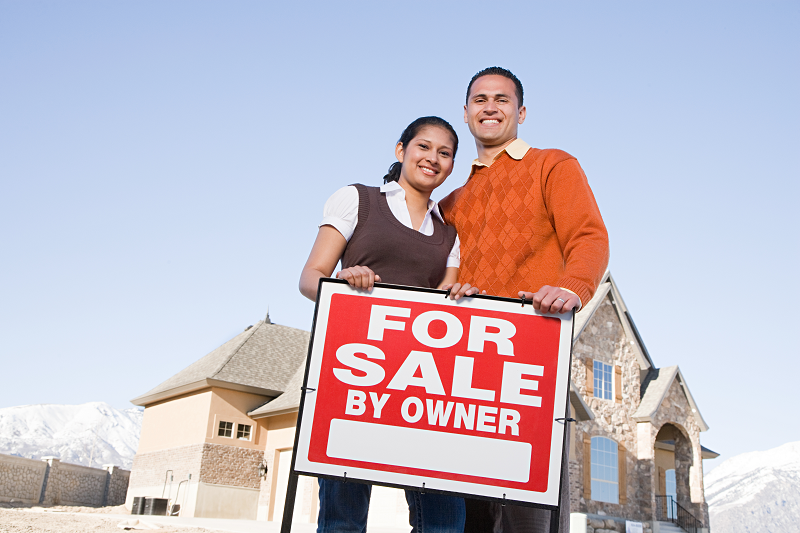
point(529, 227)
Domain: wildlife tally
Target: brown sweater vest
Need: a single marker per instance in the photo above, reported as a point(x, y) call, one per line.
point(528, 223)
point(398, 254)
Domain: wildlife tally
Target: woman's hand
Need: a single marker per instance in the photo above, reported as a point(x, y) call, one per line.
point(458, 290)
point(359, 277)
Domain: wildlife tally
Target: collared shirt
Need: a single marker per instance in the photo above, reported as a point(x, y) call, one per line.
point(341, 212)
point(516, 150)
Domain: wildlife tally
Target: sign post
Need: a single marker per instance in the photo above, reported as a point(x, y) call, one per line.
point(407, 388)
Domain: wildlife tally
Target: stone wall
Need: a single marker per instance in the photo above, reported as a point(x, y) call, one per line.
point(69, 484)
point(604, 339)
point(207, 463)
point(150, 469)
point(21, 479)
point(675, 410)
point(230, 465)
point(117, 487)
point(52, 482)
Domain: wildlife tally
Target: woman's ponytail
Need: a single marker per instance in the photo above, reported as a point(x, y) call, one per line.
point(394, 172)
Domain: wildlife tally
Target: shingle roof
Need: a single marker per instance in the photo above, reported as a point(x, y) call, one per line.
point(287, 402)
point(655, 388)
point(261, 359)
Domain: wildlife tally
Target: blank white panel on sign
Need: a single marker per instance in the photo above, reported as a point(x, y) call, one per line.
point(444, 452)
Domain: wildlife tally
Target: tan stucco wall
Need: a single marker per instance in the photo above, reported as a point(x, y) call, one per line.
point(279, 436)
point(193, 419)
point(233, 406)
point(175, 422)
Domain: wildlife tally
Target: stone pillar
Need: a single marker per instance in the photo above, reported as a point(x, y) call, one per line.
point(51, 493)
point(646, 455)
point(683, 463)
point(644, 441)
point(696, 475)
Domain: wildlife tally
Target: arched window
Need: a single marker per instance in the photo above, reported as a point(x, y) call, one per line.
point(605, 470)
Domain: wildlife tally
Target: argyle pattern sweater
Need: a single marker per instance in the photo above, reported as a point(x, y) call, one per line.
point(528, 223)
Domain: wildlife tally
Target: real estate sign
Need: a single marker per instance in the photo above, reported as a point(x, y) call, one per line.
point(405, 387)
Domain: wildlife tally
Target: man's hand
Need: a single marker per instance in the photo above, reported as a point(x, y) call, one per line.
point(458, 290)
point(552, 300)
point(359, 277)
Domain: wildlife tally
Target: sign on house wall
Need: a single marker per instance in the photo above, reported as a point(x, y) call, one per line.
point(405, 387)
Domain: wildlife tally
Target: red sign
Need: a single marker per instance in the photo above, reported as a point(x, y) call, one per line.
point(413, 388)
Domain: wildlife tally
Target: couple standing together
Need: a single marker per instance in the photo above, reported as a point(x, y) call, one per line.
point(525, 224)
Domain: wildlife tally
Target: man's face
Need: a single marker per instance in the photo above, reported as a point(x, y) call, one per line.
point(492, 111)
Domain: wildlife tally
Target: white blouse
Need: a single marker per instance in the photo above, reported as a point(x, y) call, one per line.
point(341, 212)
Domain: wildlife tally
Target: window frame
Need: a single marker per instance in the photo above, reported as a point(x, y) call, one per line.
point(239, 431)
point(603, 388)
point(604, 489)
point(226, 431)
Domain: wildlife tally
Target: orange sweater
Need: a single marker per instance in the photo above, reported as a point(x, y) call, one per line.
point(528, 223)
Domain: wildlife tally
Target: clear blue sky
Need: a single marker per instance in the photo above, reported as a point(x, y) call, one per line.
point(164, 166)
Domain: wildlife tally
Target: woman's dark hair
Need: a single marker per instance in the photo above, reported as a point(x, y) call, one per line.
point(410, 132)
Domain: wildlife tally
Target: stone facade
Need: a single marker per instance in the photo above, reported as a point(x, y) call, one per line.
point(52, 482)
point(230, 465)
point(676, 412)
point(207, 463)
point(150, 469)
point(21, 479)
point(606, 339)
point(117, 487)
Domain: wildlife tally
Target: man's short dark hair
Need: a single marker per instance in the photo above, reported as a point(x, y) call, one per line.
point(497, 71)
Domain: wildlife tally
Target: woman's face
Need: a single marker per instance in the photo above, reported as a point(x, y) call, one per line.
point(427, 159)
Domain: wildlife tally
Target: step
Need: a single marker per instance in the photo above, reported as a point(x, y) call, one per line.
point(668, 527)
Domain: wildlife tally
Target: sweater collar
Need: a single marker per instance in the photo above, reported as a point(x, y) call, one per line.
point(516, 150)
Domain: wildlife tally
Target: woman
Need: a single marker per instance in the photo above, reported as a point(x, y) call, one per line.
point(394, 234)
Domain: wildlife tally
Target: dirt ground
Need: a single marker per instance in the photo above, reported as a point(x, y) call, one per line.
point(18, 518)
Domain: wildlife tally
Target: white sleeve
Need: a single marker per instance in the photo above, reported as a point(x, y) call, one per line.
point(454, 259)
point(341, 211)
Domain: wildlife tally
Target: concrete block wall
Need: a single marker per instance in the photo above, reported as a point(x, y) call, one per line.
point(117, 487)
point(21, 479)
point(51, 482)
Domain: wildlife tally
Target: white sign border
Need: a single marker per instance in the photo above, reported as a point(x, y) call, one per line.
point(301, 464)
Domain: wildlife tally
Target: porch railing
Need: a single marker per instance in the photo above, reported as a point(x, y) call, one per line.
point(668, 510)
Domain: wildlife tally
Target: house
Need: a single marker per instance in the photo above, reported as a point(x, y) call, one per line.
point(217, 437)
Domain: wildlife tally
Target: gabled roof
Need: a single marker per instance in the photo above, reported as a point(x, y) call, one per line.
point(655, 388)
point(608, 288)
point(261, 360)
point(287, 402)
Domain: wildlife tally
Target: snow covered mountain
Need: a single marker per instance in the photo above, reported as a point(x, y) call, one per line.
point(91, 434)
point(756, 492)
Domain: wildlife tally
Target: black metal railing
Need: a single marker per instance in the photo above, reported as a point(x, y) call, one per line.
point(668, 510)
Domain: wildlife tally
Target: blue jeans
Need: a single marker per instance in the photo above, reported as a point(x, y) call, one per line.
point(343, 509)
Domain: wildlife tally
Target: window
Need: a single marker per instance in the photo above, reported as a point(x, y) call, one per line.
point(605, 470)
point(225, 429)
point(671, 491)
point(602, 380)
point(243, 431)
